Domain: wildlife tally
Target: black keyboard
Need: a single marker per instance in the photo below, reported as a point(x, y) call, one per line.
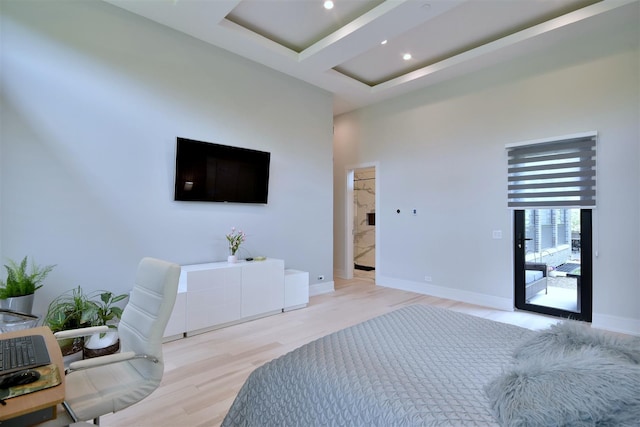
point(24, 352)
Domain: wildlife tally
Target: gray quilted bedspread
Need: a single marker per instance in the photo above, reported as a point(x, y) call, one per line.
point(416, 366)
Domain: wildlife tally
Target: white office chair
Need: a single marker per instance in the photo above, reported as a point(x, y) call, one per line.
point(106, 384)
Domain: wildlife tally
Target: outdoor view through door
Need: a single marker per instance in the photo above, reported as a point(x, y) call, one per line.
point(553, 261)
point(552, 189)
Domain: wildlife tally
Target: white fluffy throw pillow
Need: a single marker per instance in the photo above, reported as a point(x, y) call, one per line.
point(578, 388)
point(574, 336)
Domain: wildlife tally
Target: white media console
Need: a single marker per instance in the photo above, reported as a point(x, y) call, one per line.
point(219, 294)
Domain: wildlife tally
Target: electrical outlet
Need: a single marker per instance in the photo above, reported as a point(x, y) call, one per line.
point(320, 277)
point(428, 279)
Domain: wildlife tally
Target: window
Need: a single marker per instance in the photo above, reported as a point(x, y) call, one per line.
point(552, 188)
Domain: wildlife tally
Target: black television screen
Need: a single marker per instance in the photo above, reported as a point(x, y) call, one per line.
point(220, 173)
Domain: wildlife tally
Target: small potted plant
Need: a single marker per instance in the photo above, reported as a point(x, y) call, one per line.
point(17, 291)
point(235, 239)
point(70, 310)
point(74, 309)
point(106, 314)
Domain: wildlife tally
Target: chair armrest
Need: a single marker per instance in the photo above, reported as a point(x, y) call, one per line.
point(102, 360)
point(109, 359)
point(82, 332)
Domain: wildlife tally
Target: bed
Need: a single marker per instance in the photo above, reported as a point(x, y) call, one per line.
point(422, 365)
point(418, 365)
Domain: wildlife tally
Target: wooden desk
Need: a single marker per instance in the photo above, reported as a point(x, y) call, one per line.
point(42, 400)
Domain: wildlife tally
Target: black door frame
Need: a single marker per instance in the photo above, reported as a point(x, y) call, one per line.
point(586, 269)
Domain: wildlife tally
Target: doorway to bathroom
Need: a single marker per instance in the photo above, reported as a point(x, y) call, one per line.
point(361, 238)
point(364, 223)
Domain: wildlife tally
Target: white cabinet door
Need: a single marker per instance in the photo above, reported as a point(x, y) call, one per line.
point(296, 289)
point(213, 297)
point(262, 287)
point(177, 324)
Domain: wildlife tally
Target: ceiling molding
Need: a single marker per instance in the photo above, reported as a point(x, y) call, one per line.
point(332, 62)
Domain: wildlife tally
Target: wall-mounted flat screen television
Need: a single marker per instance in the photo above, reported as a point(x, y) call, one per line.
point(210, 172)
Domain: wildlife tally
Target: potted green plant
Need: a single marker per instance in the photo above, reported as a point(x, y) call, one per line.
point(70, 310)
point(74, 309)
point(106, 314)
point(17, 291)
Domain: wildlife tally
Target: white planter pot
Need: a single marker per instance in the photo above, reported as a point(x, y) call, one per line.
point(95, 341)
point(96, 345)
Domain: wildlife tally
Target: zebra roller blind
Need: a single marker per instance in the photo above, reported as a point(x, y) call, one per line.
point(555, 173)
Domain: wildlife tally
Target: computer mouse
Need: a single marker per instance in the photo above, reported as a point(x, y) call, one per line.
point(19, 378)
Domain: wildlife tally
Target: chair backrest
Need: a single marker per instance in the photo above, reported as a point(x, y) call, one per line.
point(145, 316)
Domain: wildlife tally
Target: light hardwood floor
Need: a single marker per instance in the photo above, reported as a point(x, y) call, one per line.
point(203, 373)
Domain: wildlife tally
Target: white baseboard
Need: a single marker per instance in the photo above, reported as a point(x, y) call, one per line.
point(600, 321)
point(623, 325)
point(321, 288)
point(454, 294)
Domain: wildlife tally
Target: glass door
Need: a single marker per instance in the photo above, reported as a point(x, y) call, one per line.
point(552, 260)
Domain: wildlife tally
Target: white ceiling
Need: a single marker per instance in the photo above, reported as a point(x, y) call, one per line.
point(340, 49)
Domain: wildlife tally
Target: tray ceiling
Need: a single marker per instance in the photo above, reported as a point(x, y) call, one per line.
point(341, 49)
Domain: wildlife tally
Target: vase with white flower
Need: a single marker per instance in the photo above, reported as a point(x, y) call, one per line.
point(235, 239)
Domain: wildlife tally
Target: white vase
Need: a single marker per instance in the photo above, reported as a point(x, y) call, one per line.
point(232, 258)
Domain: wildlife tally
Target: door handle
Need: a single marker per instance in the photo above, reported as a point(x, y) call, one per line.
point(521, 241)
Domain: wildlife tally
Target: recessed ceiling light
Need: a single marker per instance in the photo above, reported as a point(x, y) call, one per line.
point(383, 42)
point(328, 4)
point(406, 56)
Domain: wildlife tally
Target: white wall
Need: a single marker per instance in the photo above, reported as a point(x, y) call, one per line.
point(441, 151)
point(93, 99)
